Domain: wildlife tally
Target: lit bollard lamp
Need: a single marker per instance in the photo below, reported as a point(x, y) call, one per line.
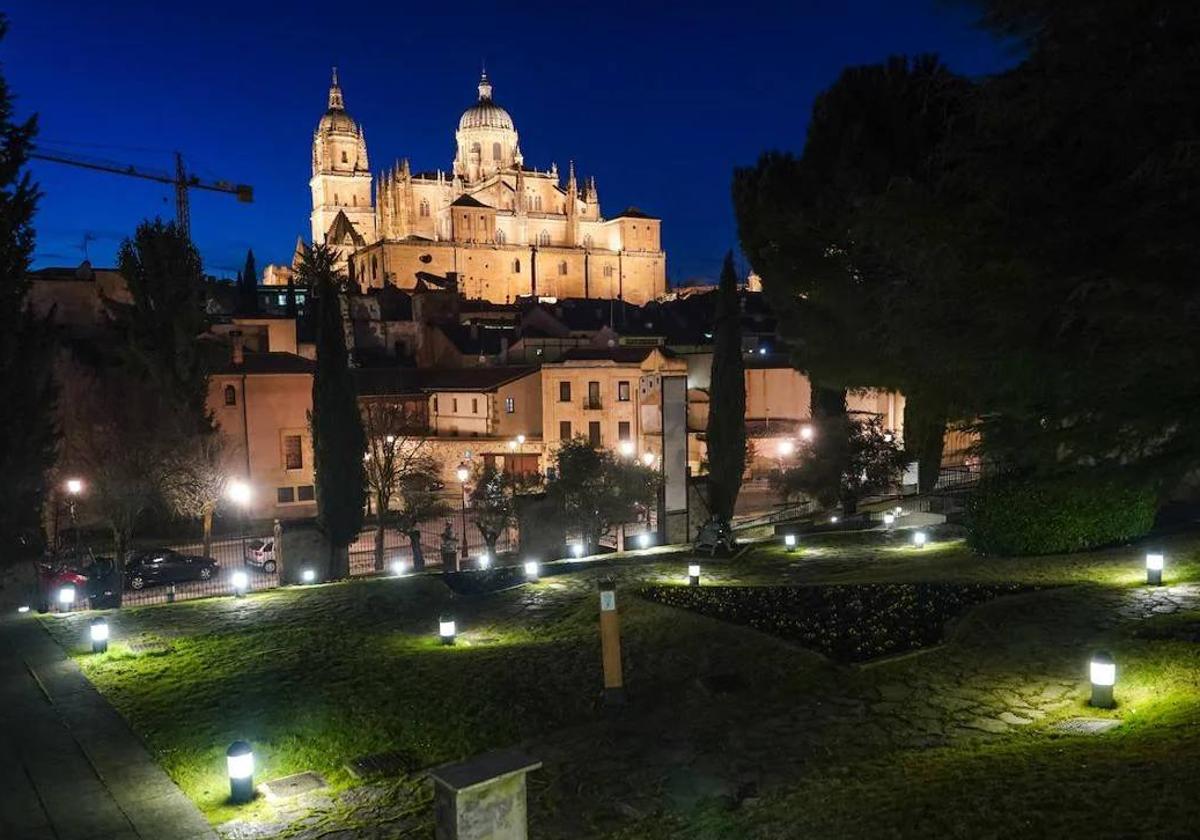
point(789, 540)
point(99, 633)
point(1154, 569)
point(1103, 674)
point(66, 597)
point(239, 761)
point(693, 574)
point(241, 582)
point(531, 571)
point(447, 629)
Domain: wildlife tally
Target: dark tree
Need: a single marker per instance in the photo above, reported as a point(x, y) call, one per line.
point(594, 491)
point(292, 310)
point(28, 432)
point(162, 270)
point(339, 442)
point(248, 286)
point(871, 463)
point(726, 436)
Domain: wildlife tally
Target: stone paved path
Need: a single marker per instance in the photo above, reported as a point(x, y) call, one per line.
point(69, 765)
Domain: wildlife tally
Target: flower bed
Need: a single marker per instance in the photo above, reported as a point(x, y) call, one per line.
point(850, 623)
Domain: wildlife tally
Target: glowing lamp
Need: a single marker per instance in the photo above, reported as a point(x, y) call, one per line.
point(463, 474)
point(644, 539)
point(889, 519)
point(485, 560)
point(24, 608)
point(786, 448)
point(693, 574)
point(239, 763)
point(577, 549)
point(627, 448)
point(919, 539)
point(520, 439)
point(74, 486)
point(239, 492)
point(66, 596)
point(397, 567)
point(241, 582)
point(1103, 674)
point(531, 570)
point(308, 576)
point(512, 446)
point(1154, 569)
point(647, 458)
point(99, 633)
point(789, 540)
point(806, 432)
point(833, 519)
point(447, 630)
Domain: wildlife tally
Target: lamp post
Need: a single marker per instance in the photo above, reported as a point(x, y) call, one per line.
point(74, 489)
point(240, 493)
point(463, 473)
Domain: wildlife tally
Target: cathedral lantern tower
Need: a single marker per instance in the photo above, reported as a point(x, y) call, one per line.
point(341, 179)
point(487, 140)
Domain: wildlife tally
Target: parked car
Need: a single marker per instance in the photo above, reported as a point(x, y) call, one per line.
point(93, 578)
point(261, 555)
point(151, 566)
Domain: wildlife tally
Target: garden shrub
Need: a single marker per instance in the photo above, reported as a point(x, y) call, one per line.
point(1053, 516)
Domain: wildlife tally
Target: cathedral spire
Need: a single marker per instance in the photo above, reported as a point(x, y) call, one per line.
point(485, 86)
point(335, 94)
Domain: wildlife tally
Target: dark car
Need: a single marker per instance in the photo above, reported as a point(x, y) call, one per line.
point(148, 567)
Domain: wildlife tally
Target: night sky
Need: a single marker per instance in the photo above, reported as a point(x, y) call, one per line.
point(659, 101)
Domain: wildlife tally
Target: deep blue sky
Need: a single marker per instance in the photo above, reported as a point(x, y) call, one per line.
point(658, 100)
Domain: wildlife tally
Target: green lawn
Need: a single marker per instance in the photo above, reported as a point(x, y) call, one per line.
point(316, 676)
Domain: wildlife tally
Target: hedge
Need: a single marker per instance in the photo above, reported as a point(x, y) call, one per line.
point(1054, 516)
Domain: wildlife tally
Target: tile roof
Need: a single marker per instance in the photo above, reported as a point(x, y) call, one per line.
point(397, 380)
point(265, 363)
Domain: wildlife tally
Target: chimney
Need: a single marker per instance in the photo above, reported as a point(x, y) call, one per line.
point(239, 347)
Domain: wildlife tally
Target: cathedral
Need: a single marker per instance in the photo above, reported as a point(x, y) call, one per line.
point(492, 227)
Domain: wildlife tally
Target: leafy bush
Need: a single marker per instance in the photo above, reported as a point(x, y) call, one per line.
point(1051, 516)
point(848, 623)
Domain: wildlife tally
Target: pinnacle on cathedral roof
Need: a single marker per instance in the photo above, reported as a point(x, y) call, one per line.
point(335, 94)
point(336, 118)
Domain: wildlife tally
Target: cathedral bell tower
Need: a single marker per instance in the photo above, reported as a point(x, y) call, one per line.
point(342, 213)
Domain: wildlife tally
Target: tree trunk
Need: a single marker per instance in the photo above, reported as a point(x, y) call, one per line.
point(207, 518)
point(120, 542)
point(925, 437)
point(380, 529)
point(414, 536)
point(339, 562)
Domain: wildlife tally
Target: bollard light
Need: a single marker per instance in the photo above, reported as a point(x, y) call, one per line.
point(24, 608)
point(485, 561)
point(693, 574)
point(531, 570)
point(241, 582)
point(644, 539)
point(833, 519)
point(397, 567)
point(66, 596)
point(239, 762)
point(447, 630)
point(789, 540)
point(99, 633)
point(1154, 569)
point(308, 576)
point(1103, 674)
point(577, 549)
point(919, 539)
point(889, 519)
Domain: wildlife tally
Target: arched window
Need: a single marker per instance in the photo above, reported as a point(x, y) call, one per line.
point(499, 236)
point(608, 271)
point(587, 241)
point(544, 238)
point(424, 208)
point(230, 395)
point(537, 203)
point(374, 269)
point(516, 266)
point(474, 148)
point(562, 267)
point(344, 158)
point(495, 151)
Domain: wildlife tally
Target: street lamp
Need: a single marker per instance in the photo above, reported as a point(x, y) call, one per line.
point(807, 433)
point(1154, 569)
point(1103, 673)
point(786, 448)
point(240, 493)
point(627, 448)
point(463, 473)
point(99, 634)
point(647, 458)
point(239, 762)
point(74, 489)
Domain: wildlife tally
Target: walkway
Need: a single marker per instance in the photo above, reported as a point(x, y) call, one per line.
point(69, 765)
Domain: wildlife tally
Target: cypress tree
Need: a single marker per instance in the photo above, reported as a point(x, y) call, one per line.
point(726, 399)
point(337, 432)
point(28, 431)
point(292, 310)
point(248, 283)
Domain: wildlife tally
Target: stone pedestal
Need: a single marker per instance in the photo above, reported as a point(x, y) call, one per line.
point(482, 798)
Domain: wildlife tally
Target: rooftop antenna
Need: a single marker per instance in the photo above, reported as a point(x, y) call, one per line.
point(88, 236)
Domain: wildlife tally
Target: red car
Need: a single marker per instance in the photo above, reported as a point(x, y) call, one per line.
point(89, 575)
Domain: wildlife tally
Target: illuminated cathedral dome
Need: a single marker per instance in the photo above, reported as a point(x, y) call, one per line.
point(485, 113)
point(335, 117)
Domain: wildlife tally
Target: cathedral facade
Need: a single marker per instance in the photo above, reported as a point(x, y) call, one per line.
point(491, 227)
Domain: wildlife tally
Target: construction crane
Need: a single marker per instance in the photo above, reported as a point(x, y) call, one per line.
point(181, 179)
